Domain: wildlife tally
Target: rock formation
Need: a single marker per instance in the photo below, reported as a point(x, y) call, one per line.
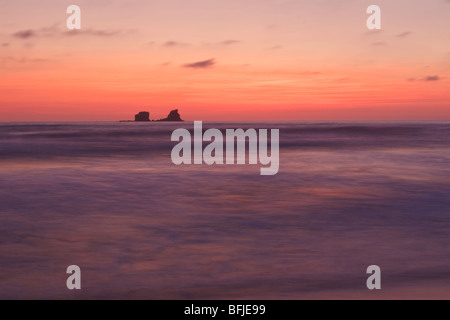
point(142, 116)
point(145, 116)
point(173, 116)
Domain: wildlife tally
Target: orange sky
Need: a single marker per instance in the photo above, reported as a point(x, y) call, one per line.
point(225, 60)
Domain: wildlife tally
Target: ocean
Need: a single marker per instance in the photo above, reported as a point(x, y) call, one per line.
point(106, 196)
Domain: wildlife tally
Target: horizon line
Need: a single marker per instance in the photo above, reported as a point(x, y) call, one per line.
point(225, 121)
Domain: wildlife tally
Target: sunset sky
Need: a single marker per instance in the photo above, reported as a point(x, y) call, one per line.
point(225, 60)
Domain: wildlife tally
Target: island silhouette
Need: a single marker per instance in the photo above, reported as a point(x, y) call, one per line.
point(144, 116)
point(173, 116)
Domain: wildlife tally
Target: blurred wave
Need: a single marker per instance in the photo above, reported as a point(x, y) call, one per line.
point(106, 196)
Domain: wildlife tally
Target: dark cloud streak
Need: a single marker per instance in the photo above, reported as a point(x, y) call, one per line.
point(427, 79)
point(404, 34)
point(92, 32)
point(174, 44)
point(201, 64)
point(54, 31)
point(230, 42)
point(25, 34)
point(432, 78)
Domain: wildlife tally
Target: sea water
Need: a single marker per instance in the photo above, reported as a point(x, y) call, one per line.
point(106, 196)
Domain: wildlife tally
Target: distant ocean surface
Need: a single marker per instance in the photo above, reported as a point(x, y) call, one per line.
point(106, 196)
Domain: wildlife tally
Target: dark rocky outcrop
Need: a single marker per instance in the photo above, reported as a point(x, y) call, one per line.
point(173, 116)
point(142, 116)
point(145, 116)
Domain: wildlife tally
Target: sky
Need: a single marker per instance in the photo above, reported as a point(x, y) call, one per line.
point(234, 60)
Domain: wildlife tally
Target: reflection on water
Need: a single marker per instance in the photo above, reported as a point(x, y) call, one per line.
point(106, 196)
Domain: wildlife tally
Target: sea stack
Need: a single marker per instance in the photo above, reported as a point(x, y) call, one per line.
point(142, 116)
point(173, 116)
